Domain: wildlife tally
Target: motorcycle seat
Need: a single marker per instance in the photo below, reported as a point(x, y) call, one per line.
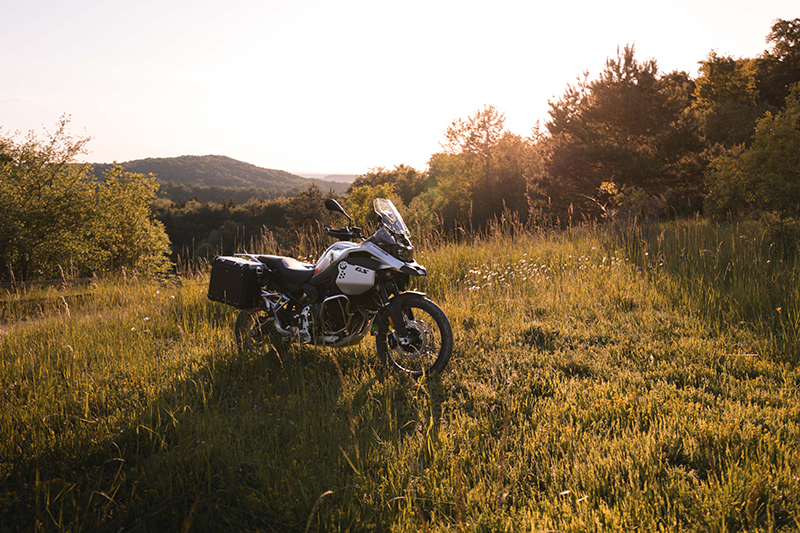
point(290, 270)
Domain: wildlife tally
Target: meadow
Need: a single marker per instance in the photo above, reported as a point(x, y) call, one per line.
point(603, 379)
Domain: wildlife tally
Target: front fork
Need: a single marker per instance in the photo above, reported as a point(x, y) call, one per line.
point(392, 316)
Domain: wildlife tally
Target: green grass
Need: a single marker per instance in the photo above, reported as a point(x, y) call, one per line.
point(599, 381)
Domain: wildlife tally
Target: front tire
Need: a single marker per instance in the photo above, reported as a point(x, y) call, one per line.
point(429, 344)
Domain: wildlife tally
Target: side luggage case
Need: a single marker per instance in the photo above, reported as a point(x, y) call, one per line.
point(236, 281)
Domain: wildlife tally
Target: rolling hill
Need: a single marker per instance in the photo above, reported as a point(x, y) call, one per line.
point(207, 172)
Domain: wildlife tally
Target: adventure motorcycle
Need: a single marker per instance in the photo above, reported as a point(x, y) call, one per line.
point(355, 288)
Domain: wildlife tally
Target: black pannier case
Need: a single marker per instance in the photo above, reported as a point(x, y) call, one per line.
point(235, 281)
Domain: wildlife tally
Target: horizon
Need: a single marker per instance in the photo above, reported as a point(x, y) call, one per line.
point(330, 88)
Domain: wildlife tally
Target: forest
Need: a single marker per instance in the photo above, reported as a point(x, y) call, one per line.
point(633, 144)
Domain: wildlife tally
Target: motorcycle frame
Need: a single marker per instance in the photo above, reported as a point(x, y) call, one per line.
point(389, 305)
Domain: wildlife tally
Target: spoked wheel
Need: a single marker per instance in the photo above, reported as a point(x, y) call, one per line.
point(428, 346)
point(255, 330)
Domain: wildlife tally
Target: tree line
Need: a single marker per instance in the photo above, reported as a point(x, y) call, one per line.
point(632, 144)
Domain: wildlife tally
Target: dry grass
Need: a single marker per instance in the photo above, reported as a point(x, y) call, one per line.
point(599, 382)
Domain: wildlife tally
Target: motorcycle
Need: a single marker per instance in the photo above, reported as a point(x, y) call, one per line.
point(354, 289)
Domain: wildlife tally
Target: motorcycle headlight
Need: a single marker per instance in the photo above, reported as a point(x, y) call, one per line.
point(404, 253)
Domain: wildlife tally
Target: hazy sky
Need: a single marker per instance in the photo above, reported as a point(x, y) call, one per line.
point(325, 85)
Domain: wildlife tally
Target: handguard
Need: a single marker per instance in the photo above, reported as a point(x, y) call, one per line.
point(343, 234)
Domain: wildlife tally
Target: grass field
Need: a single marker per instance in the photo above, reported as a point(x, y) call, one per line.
point(601, 380)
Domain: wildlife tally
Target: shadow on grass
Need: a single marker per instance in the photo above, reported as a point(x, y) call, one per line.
point(242, 442)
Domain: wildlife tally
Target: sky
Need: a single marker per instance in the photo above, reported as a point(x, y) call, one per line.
point(330, 86)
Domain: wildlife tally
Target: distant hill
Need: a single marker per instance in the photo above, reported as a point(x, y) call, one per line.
point(210, 177)
point(339, 178)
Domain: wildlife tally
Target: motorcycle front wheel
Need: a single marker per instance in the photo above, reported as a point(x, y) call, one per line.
point(427, 349)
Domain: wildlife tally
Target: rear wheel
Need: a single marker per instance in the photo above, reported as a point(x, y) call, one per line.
point(255, 330)
point(428, 346)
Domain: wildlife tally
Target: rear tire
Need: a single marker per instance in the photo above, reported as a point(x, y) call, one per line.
point(254, 330)
point(430, 340)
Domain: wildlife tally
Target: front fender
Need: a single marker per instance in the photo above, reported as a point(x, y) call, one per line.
point(414, 269)
point(391, 317)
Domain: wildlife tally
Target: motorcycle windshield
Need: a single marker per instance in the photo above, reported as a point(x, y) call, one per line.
point(390, 217)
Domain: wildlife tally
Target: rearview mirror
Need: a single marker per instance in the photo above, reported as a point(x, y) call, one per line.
point(333, 205)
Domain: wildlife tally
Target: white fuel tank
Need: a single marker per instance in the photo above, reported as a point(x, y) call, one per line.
point(333, 253)
point(354, 279)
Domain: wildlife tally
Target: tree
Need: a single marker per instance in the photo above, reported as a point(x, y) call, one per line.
point(125, 234)
point(221, 241)
point(477, 135)
point(57, 217)
point(779, 68)
point(307, 209)
point(45, 200)
point(727, 99)
point(406, 181)
point(725, 79)
point(630, 128)
point(474, 141)
point(732, 93)
point(359, 202)
point(515, 161)
point(451, 195)
point(764, 178)
point(482, 171)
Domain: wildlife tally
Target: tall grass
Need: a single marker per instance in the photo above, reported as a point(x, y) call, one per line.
point(735, 275)
point(599, 382)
